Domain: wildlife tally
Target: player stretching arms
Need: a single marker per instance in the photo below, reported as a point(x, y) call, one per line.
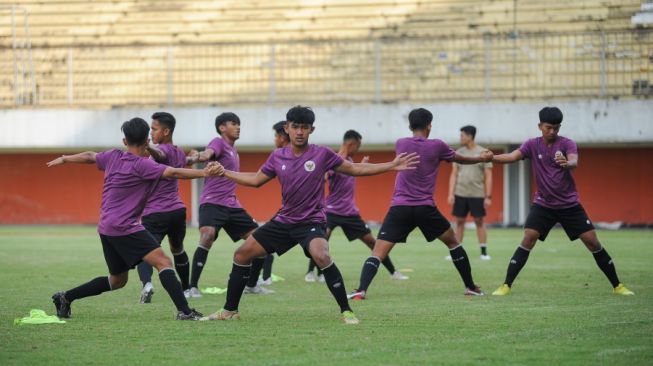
point(129, 178)
point(219, 207)
point(413, 206)
point(165, 213)
point(553, 159)
point(341, 209)
point(300, 168)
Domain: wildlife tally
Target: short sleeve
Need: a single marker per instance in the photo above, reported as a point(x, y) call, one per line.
point(102, 159)
point(570, 147)
point(268, 166)
point(168, 150)
point(446, 152)
point(217, 146)
point(525, 149)
point(149, 169)
point(332, 160)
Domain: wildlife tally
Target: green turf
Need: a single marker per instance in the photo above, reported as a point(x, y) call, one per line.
point(561, 310)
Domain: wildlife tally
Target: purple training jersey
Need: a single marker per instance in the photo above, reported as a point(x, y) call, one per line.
point(302, 182)
point(416, 187)
point(220, 190)
point(340, 200)
point(555, 186)
point(128, 181)
point(165, 197)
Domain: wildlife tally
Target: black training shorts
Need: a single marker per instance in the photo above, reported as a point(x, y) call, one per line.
point(574, 220)
point(235, 221)
point(123, 253)
point(401, 220)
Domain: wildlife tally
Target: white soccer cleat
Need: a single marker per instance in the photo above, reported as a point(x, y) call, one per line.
point(320, 278)
point(257, 290)
point(399, 276)
point(485, 257)
point(194, 292)
point(447, 258)
point(310, 277)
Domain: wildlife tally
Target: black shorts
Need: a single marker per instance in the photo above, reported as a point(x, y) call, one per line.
point(465, 205)
point(353, 226)
point(574, 220)
point(235, 221)
point(171, 223)
point(123, 253)
point(279, 238)
point(401, 220)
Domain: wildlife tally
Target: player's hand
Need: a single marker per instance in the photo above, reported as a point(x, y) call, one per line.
point(365, 160)
point(214, 169)
point(487, 202)
point(57, 161)
point(406, 161)
point(561, 160)
point(194, 155)
point(451, 199)
point(487, 155)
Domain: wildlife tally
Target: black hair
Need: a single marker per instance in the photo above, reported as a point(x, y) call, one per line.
point(301, 115)
point(419, 119)
point(552, 115)
point(278, 128)
point(469, 130)
point(136, 131)
point(166, 119)
point(352, 135)
point(225, 117)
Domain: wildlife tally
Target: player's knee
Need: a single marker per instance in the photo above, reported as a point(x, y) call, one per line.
point(478, 221)
point(117, 282)
point(242, 256)
point(322, 259)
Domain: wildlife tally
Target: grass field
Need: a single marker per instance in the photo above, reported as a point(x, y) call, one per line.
point(561, 310)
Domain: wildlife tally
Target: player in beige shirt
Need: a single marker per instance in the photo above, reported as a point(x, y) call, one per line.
point(470, 189)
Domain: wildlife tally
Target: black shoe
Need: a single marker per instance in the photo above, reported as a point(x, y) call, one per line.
point(62, 305)
point(194, 315)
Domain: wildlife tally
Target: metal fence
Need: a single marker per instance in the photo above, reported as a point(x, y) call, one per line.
point(479, 68)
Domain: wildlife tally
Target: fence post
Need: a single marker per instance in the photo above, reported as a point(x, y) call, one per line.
point(170, 99)
point(377, 71)
point(603, 77)
point(272, 93)
point(70, 84)
point(488, 66)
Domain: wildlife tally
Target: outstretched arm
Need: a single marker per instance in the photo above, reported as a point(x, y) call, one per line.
point(200, 157)
point(87, 157)
point(508, 158)
point(403, 161)
point(569, 163)
point(486, 156)
point(247, 179)
point(211, 170)
point(158, 155)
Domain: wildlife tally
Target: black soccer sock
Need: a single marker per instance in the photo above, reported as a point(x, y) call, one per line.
point(183, 268)
point(336, 285)
point(93, 287)
point(145, 272)
point(517, 262)
point(267, 266)
point(173, 287)
point(257, 265)
point(483, 249)
point(604, 262)
point(387, 263)
point(237, 281)
point(461, 261)
point(311, 265)
point(370, 267)
point(199, 260)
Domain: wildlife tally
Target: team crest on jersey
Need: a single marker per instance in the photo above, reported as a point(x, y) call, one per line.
point(309, 166)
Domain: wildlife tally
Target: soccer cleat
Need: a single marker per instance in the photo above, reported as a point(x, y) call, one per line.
point(194, 292)
point(447, 258)
point(262, 282)
point(622, 290)
point(187, 293)
point(474, 291)
point(349, 317)
point(502, 290)
point(223, 314)
point(62, 305)
point(194, 315)
point(310, 277)
point(146, 293)
point(485, 257)
point(398, 276)
point(320, 278)
point(356, 295)
point(257, 290)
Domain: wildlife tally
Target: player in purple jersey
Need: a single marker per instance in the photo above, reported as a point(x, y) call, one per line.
point(165, 213)
point(341, 208)
point(553, 160)
point(129, 180)
point(413, 205)
point(219, 207)
point(300, 168)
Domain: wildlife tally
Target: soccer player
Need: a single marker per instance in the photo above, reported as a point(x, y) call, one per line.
point(300, 168)
point(341, 209)
point(219, 207)
point(413, 206)
point(470, 189)
point(129, 179)
point(553, 160)
point(165, 213)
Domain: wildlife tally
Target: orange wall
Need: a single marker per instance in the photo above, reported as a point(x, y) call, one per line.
point(613, 183)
